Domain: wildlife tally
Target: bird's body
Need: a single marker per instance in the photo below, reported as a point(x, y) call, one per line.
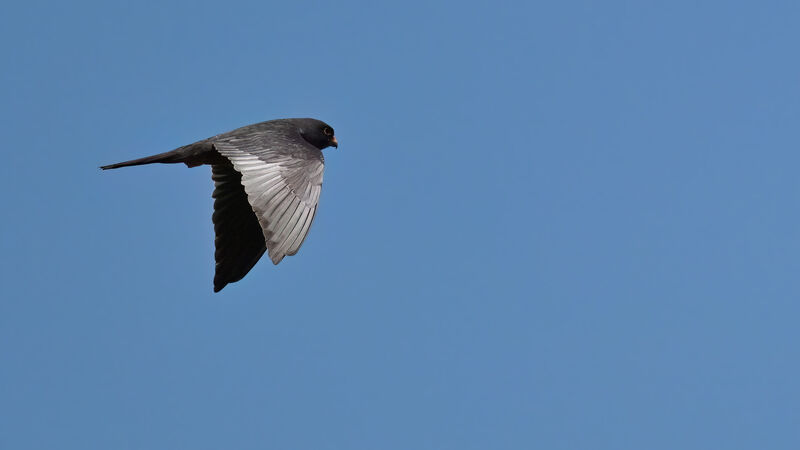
point(267, 181)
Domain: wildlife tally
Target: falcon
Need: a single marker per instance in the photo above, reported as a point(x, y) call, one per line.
point(267, 180)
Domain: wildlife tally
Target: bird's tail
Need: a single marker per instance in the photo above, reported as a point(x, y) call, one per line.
point(174, 156)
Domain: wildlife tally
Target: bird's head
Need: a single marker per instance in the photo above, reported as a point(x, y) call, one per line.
point(317, 133)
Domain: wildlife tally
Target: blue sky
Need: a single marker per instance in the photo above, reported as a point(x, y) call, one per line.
point(554, 225)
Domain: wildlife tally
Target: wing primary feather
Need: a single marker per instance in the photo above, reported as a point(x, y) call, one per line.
point(287, 233)
point(297, 226)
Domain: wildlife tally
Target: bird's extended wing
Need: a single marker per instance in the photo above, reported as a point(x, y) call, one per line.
point(283, 183)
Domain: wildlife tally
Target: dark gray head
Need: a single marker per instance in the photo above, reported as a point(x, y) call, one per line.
point(316, 132)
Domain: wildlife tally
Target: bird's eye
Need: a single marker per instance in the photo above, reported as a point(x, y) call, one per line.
point(327, 131)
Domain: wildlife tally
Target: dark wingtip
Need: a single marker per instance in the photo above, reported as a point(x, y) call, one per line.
point(219, 283)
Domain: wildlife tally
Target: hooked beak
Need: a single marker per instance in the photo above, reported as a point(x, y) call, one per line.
point(334, 142)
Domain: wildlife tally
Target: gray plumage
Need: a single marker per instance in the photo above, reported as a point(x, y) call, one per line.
point(267, 179)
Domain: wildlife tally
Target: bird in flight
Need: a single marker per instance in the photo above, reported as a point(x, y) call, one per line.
point(267, 180)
